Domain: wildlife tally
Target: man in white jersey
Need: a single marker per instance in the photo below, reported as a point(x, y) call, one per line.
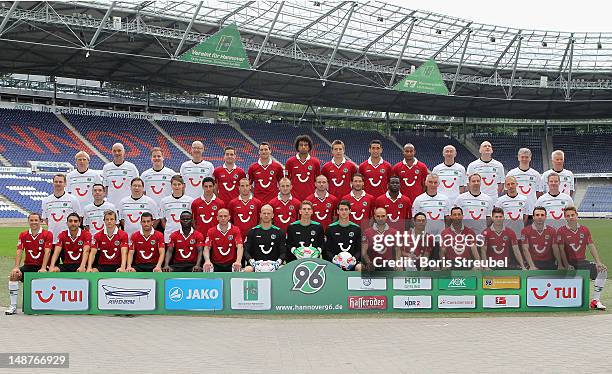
point(195, 170)
point(172, 206)
point(491, 171)
point(555, 202)
point(476, 206)
point(57, 206)
point(451, 174)
point(516, 207)
point(557, 159)
point(529, 181)
point(157, 178)
point(435, 205)
point(93, 214)
point(80, 180)
point(132, 207)
point(117, 175)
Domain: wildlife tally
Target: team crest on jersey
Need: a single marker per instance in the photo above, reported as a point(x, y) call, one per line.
point(153, 242)
point(440, 203)
point(231, 237)
point(273, 236)
point(417, 171)
point(365, 203)
point(117, 242)
point(80, 242)
point(65, 204)
point(214, 207)
point(351, 234)
point(313, 233)
point(41, 241)
point(192, 241)
point(483, 203)
point(400, 206)
point(251, 206)
point(581, 236)
point(89, 179)
point(309, 167)
point(125, 172)
point(546, 237)
point(291, 207)
point(184, 205)
point(382, 170)
point(328, 205)
point(456, 172)
point(345, 170)
point(142, 205)
point(271, 172)
point(235, 176)
point(505, 238)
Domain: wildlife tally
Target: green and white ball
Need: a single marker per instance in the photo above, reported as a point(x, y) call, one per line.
point(306, 252)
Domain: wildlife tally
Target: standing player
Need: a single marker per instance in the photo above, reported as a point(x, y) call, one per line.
point(555, 202)
point(412, 173)
point(185, 247)
point(172, 206)
point(397, 206)
point(323, 203)
point(265, 175)
point(528, 180)
point(339, 171)
point(93, 214)
point(343, 236)
point(117, 175)
point(57, 206)
point(362, 203)
point(539, 246)
point(498, 240)
point(476, 205)
point(451, 174)
point(72, 246)
point(286, 207)
point(264, 247)
point(195, 170)
point(228, 176)
point(375, 250)
point(573, 240)
point(435, 205)
point(456, 241)
point(133, 206)
point(204, 209)
point(80, 180)
point(157, 178)
point(109, 247)
point(491, 171)
point(146, 249)
point(302, 169)
point(305, 234)
point(223, 249)
point(376, 171)
point(516, 207)
point(567, 186)
point(244, 210)
point(37, 243)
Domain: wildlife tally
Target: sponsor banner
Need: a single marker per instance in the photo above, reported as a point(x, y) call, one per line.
point(502, 283)
point(554, 292)
point(222, 49)
point(501, 301)
point(425, 79)
point(367, 302)
point(62, 294)
point(457, 283)
point(367, 284)
point(126, 294)
point(194, 294)
point(411, 283)
point(456, 302)
point(411, 302)
point(251, 294)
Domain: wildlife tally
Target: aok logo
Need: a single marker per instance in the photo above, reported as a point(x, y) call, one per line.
point(558, 292)
point(308, 277)
point(457, 282)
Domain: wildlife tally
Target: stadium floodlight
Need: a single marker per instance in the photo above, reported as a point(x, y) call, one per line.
point(492, 39)
point(380, 19)
point(438, 31)
point(598, 45)
point(544, 44)
point(317, 3)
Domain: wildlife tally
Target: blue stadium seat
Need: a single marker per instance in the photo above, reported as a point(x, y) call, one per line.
point(583, 153)
point(505, 149)
point(26, 190)
point(597, 199)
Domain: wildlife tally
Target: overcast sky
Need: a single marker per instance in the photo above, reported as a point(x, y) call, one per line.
point(563, 15)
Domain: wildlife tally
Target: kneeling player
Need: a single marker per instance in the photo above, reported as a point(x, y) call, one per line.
point(377, 255)
point(223, 247)
point(146, 252)
point(72, 246)
point(573, 240)
point(305, 238)
point(343, 245)
point(37, 243)
point(109, 247)
point(498, 240)
point(538, 241)
point(185, 246)
point(264, 247)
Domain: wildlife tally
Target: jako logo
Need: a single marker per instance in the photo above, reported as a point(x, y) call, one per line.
point(66, 296)
point(176, 294)
point(194, 294)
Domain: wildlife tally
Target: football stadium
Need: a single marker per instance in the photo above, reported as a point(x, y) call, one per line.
point(248, 185)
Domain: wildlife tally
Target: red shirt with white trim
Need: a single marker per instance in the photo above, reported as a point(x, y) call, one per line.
point(323, 210)
point(73, 248)
point(574, 242)
point(205, 213)
point(285, 212)
point(499, 244)
point(244, 214)
point(412, 177)
point(361, 208)
point(265, 179)
point(339, 177)
point(146, 248)
point(454, 242)
point(223, 245)
point(373, 237)
point(540, 243)
point(109, 246)
point(34, 246)
point(185, 247)
point(376, 177)
point(302, 175)
point(228, 182)
point(399, 210)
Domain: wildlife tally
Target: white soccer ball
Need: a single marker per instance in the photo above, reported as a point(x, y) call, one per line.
point(265, 266)
point(345, 260)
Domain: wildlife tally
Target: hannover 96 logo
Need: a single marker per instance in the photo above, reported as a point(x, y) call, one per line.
point(308, 277)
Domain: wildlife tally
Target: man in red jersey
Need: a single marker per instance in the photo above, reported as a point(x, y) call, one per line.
point(72, 246)
point(286, 207)
point(185, 248)
point(458, 241)
point(362, 203)
point(228, 176)
point(37, 243)
point(223, 248)
point(376, 171)
point(265, 175)
point(244, 210)
point(398, 206)
point(539, 243)
point(323, 203)
point(109, 247)
point(146, 252)
point(573, 240)
point(339, 171)
point(498, 240)
point(412, 173)
point(421, 244)
point(302, 169)
point(375, 251)
point(205, 207)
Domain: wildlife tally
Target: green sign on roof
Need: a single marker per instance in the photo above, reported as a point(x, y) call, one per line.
point(222, 49)
point(425, 79)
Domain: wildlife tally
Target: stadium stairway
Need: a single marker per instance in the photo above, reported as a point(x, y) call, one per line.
point(4, 161)
point(9, 209)
point(170, 138)
point(67, 123)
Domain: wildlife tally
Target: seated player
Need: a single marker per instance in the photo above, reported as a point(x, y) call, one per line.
point(343, 244)
point(375, 252)
point(265, 248)
point(305, 238)
point(146, 251)
point(538, 241)
point(573, 240)
point(421, 244)
point(223, 248)
point(185, 247)
point(109, 247)
point(72, 247)
point(37, 243)
point(498, 240)
point(457, 240)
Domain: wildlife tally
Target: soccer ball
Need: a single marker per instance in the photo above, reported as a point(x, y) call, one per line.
point(345, 260)
point(306, 252)
point(265, 266)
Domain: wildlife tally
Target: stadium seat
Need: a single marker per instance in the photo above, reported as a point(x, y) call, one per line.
point(505, 149)
point(583, 153)
point(597, 199)
point(26, 190)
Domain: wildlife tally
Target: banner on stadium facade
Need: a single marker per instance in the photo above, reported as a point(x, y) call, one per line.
point(222, 49)
point(425, 79)
point(305, 286)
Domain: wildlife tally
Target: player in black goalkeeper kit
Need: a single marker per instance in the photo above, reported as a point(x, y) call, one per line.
point(343, 244)
point(305, 238)
point(264, 248)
